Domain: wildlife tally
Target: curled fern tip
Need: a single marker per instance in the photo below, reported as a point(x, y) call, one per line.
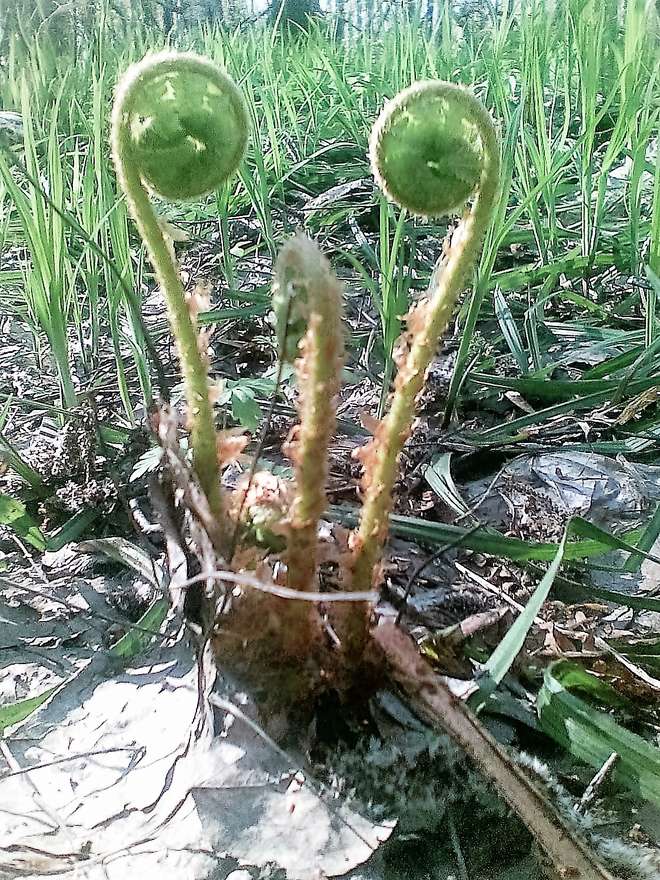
point(186, 124)
point(426, 148)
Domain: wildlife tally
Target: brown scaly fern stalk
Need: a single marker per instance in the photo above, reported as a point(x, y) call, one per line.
point(309, 295)
point(433, 147)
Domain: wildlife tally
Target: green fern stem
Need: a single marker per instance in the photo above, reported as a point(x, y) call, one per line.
point(179, 127)
point(444, 149)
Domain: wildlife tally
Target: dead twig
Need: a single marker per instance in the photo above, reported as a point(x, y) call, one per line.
point(592, 789)
point(248, 580)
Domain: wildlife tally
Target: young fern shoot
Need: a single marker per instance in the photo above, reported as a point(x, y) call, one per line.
point(179, 130)
point(433, 147)
point(307, 300)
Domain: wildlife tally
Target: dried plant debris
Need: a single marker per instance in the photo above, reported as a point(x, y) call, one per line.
point(131, 777)
point(74, 474)
point(560, 485)
point(57, 615)
point(67, 452)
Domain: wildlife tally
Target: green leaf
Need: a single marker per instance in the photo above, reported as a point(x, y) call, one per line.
point(489, 540)
point(10, 455)
point(136, 640)
point(438, 476)
point(12, 713)
point(245, 409)
point(585, 529)
point(576, 678)
point(510, 330)
point(126, 553)
point(646, 541)
point(555, 390)
point(14, 515)
point(72, 529)
point(642, 652)
point(499, 662)
point(217, 316)
point(582, 591)
point(592, 735)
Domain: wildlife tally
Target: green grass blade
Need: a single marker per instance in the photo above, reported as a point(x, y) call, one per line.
point(501, 660)
point(592, 735)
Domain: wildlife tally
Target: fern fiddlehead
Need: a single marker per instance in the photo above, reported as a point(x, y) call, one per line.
point(308, 305)
point(433, 147)
point(179, 130)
